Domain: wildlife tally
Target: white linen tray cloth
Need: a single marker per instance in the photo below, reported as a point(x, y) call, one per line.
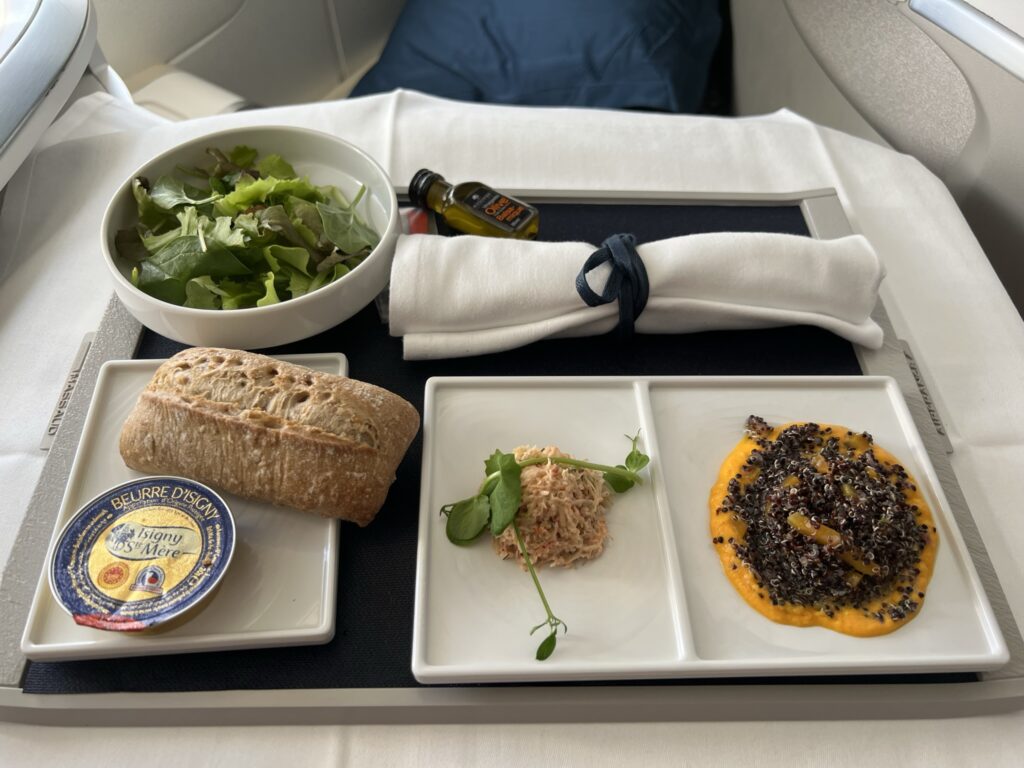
point(940, 291)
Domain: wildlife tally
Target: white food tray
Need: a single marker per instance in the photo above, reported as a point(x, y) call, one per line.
point(279, 589)
point(656, 604)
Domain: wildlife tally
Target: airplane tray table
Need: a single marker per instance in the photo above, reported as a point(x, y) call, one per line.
point(371, 650)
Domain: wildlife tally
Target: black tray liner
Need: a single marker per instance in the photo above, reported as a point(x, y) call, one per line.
point(372, 646)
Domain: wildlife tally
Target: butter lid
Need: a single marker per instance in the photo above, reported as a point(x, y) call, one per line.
point(142, 553)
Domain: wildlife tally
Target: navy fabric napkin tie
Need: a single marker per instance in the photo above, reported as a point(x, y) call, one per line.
point(627, 282)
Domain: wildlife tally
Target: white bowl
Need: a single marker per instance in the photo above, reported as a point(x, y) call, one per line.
point(326, 160)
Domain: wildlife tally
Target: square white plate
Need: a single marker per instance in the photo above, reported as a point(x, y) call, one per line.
point(279, 589)
point(656, 604)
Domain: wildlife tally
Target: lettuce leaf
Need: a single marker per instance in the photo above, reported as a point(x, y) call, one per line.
point(129, 245)
point(202, 293)
point(169, 192)
point(275, 165)
point(187, 225)
point(275, 219)
point(328, 276)
point(346, 229)
point(306, 219)
point(243, 156)
point(297, 258)
point(159, 284)
point(184, 258)
point(254, 232)
point(240, 294)
point(220, 230)
point(256, 236)
point(270, 297)
point(298, 283)
point(151, 215)
point(250, 192)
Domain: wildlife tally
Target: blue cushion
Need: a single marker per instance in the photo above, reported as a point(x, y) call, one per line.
point(642, 54)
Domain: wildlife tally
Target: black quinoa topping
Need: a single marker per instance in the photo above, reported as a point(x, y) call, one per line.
point(823, 476)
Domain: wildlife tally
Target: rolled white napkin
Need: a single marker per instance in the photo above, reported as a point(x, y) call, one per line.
point(460, 296)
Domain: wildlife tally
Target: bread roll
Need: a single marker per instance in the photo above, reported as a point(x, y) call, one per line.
point(272, 431)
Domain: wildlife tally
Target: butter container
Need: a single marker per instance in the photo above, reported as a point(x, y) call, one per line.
point(142, 553)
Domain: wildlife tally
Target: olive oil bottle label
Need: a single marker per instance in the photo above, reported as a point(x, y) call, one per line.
point(504, 211)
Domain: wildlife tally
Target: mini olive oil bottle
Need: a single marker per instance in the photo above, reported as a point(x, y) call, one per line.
point(474, 208)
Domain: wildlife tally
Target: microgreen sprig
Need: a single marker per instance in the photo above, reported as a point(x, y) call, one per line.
point(497, 501)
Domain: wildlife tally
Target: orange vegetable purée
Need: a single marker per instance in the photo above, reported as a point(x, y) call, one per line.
point(849, 620)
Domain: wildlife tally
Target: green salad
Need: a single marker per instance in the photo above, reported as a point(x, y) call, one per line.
point(249, 232)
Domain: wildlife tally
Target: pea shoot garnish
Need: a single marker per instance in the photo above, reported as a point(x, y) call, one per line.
point(497, 502)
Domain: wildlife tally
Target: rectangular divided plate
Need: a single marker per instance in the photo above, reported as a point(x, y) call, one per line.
point(656, 604)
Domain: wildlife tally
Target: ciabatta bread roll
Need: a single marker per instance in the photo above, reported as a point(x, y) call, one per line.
point(269, 430)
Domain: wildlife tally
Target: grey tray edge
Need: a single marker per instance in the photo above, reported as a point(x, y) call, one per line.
point(397, 706)
point(118, 337)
